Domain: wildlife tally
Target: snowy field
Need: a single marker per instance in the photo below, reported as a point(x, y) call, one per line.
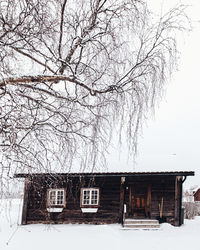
point(111, 237)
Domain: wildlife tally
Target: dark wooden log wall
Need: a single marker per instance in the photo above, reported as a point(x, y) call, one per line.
point(163, 188)
point(178, 200)
point(25, 204)
point(113, 195)
point(108, 211)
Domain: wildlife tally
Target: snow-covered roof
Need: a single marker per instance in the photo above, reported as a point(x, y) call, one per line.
point(195, 190)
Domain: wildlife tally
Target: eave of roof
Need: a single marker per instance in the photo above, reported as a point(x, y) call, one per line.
point(196, 191)
point(102, 174)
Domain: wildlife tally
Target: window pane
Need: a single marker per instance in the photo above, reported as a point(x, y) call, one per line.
point(94, 198)
point(90, 196)
point(60, 197)
point(52, 197)
point(56, 197)
point(86, 197)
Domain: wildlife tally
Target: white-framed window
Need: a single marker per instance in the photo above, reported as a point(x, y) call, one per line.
point(56, 197)
point(90, 196)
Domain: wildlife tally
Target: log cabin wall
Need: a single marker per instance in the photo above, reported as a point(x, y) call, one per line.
point(108, 210)
point(146, 191)
point(178, 200)
point(163, 189)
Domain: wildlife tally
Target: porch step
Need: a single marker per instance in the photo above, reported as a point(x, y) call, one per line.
point(141, 224)
point(140, 221)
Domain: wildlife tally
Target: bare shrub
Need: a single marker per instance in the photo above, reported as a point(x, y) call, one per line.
point(192, 209)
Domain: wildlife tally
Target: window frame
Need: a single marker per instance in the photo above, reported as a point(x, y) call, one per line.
point(90, 205)
point(56, 190)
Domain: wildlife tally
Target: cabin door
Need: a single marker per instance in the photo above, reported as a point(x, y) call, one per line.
point(138, 201)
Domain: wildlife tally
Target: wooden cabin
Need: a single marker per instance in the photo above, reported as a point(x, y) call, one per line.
point(196, 195)
point(101, 198)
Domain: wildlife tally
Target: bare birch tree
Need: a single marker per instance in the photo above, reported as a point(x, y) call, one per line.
point(72, 72)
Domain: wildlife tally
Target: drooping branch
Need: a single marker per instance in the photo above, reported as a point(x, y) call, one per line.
point(53, 79)
point(71, 72)
point(61, 27)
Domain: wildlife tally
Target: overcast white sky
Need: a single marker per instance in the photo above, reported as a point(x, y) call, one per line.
point(171, 140)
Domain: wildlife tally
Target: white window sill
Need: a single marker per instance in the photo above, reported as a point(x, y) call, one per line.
point(54, 209)
point(89, 210)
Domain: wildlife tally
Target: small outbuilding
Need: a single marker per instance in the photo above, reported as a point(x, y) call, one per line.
point(196, 195)
point(102, 198)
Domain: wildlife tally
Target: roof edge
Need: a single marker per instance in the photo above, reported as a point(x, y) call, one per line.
point(125, 174)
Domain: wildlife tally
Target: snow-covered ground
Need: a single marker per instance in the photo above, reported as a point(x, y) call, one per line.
point(111, 237)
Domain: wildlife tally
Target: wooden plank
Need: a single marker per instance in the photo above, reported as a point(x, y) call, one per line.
point(177, 202)
point(121, 206)
point(130, 201)
point(149, 200)
point(25, 202)
point(180, 202)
